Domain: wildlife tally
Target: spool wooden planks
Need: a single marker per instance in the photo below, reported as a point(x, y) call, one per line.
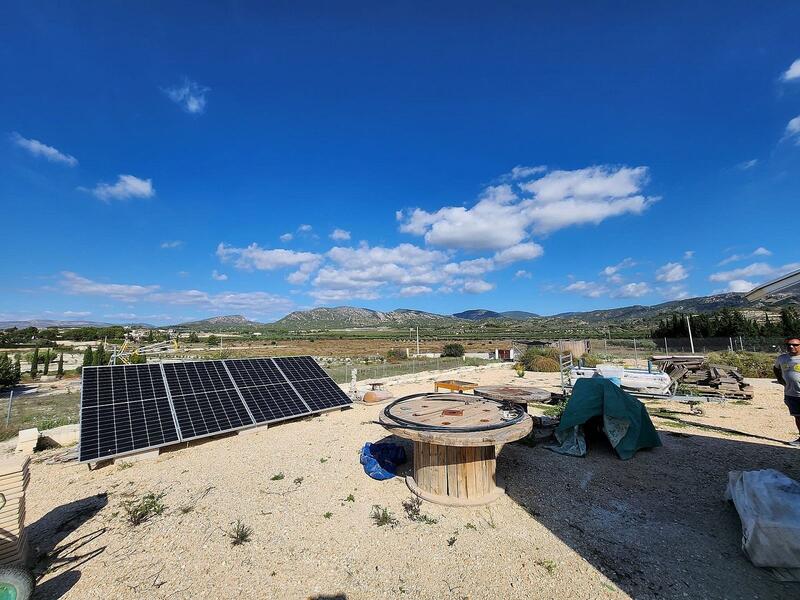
point(14, 478)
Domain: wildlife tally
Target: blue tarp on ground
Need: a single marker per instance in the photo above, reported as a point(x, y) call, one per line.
point(381, 460)
point(625, 420)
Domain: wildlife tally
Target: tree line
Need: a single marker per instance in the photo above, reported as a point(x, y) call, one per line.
point(729, 322)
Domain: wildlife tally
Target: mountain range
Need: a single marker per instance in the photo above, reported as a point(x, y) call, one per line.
point(343, 317)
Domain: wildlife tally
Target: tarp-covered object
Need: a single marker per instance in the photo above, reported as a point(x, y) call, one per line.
point(768, 503)
point(625, 420)
point(381, 460)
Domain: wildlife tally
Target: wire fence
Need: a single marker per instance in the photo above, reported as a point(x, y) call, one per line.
point(643, 348)
point(342, 373)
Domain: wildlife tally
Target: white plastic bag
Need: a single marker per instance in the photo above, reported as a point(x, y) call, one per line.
point(768, 503)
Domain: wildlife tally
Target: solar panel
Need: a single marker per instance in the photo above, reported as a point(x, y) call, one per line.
point(300, 368)
point(205, 399)
point(312, 383)
point(129, 408)
point(265, 391)
point(123, 409)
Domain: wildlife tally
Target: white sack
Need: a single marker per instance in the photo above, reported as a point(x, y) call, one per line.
point(768, 503)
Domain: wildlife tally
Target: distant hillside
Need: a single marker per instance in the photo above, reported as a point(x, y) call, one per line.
point(223, 322)
point(342, 317)
point(520, 315)
point(482, 314)
point(702, 304)
point(478, 314)
point(45, 323)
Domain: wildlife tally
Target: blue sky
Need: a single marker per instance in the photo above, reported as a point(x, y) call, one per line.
point(168, 162)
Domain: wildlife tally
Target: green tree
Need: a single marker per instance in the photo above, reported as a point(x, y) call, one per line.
point(193, 338)
point(88, 357)
point(8, 374)
point(100, 356)
point(46, 368)
point(453, 350)
point(35, 363)
point(60, 370)
point(212, 340)
point(17, 369)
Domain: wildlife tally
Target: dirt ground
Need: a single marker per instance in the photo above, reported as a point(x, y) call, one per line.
point(655, 526)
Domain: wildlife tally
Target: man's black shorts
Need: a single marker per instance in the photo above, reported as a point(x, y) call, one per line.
point(793, 404)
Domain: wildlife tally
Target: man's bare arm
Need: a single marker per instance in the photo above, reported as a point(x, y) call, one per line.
point(778, 374)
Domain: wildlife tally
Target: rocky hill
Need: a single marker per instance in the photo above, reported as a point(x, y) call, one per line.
point(342, 317)
point(223, 322)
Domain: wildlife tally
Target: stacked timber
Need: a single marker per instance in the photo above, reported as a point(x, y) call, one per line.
point(704, 378)
point(14, 477)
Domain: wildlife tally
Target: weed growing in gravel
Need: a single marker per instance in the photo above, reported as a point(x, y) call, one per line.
point(185, 510)
point(139, 511)
point(549, 565)
point(382, 516)
point(490, 522)
point(451, 541)
point(350, 498)
point(328, 515)
point(323, 460)
point(122, 465)
point(298, 480)
point(277, 477)
point(470, 526)
point(412, 507)
point(240, 533)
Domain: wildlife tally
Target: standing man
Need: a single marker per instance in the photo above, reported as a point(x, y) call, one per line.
point(787, 372)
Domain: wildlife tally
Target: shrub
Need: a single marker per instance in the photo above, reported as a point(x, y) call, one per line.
point(750, 364)
point(395, 354)
point(381, 516)
point(139, 511)
point(453, 350)
point(212, 340)
point(590, 360)
point(532, 353)
point(542, 364)
point(240, 533)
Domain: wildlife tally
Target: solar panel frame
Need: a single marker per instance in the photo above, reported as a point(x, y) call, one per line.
point(181, 403)
point(277, 389)
point(318, 382)
point(276, 400)
point(158, 421)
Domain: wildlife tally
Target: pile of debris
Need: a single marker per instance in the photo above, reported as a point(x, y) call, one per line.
point(706, 379)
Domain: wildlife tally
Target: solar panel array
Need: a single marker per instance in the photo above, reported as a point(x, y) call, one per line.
point(130, 408)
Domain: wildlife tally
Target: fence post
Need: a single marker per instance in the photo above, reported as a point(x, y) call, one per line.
point(635, 353)
point(8, 412)
point(666, 348)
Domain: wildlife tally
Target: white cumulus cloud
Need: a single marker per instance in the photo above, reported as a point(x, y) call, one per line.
point(793, 130)
point(793, 72)
point(127, 186)
point(671, 272)
point(340, 235)
point(505, 215)
point(264, 259)
point(477, 286)
point(217, 276)
point(170, 244)
point(41, 150)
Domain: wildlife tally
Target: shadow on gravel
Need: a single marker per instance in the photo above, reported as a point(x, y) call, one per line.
point(49, 555)
point(655, 525)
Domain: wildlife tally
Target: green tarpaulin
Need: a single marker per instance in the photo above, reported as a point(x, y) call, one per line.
point(625, 420)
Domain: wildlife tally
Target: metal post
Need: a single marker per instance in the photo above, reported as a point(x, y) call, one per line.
point(635, 353)
point(741, 343)
point(417, 340)
point(666, 348)
point(689, 326)
point(8, 412)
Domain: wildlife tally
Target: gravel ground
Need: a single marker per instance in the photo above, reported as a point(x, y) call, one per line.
point(598, 527)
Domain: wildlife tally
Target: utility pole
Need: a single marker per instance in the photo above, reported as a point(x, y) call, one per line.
point(689, 325)
point(417, 340)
